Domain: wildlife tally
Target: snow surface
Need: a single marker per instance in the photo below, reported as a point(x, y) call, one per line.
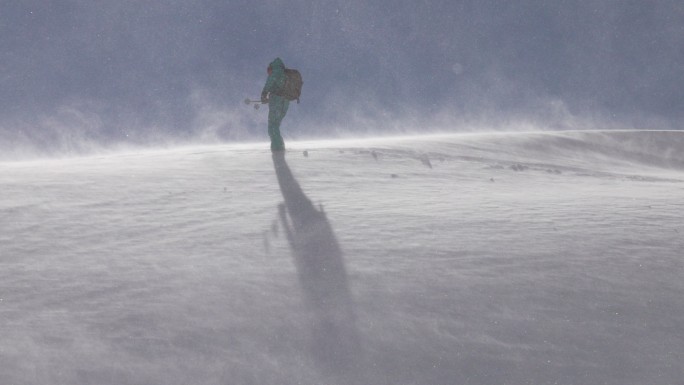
point(519, 258)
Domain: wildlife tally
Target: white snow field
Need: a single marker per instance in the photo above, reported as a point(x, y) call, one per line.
point(502, 258)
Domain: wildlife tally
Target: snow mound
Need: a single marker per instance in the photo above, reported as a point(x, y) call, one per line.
point(473, 258)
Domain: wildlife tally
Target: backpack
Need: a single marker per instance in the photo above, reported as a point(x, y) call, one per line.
point(292, 88)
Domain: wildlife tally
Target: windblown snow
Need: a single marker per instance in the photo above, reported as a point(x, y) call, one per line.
point(509, 258)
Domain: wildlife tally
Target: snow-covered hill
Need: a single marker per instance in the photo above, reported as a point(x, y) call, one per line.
point(519, 258)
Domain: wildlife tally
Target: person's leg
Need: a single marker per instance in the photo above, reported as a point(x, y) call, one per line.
point(277, 108)
point(276, 139)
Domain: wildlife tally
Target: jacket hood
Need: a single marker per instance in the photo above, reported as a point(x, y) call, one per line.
point(277, 65)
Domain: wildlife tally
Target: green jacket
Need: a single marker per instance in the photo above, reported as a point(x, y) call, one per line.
point(276, 80)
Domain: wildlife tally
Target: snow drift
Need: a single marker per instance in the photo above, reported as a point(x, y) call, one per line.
point(458, 259)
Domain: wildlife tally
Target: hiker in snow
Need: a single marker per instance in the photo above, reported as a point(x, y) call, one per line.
point(277, 105)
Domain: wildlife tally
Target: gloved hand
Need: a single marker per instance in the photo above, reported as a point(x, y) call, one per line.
point(264, 98)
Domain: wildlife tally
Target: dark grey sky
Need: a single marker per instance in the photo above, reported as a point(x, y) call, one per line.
point(151, 68)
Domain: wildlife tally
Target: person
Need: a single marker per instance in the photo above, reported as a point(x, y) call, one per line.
point(277, 105)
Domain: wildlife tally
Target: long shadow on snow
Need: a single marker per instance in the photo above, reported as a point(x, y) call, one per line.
point(322, 275)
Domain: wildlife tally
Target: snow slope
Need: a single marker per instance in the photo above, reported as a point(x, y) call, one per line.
point(520, 258)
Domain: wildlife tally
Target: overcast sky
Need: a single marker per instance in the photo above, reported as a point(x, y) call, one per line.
point(168, 68)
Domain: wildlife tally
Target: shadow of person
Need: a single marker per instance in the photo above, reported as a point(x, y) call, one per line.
point(322, 275)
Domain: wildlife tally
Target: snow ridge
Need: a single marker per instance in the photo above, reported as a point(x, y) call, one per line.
point(546, 257)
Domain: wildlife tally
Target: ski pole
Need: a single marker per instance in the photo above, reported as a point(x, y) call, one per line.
point(257, 103)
